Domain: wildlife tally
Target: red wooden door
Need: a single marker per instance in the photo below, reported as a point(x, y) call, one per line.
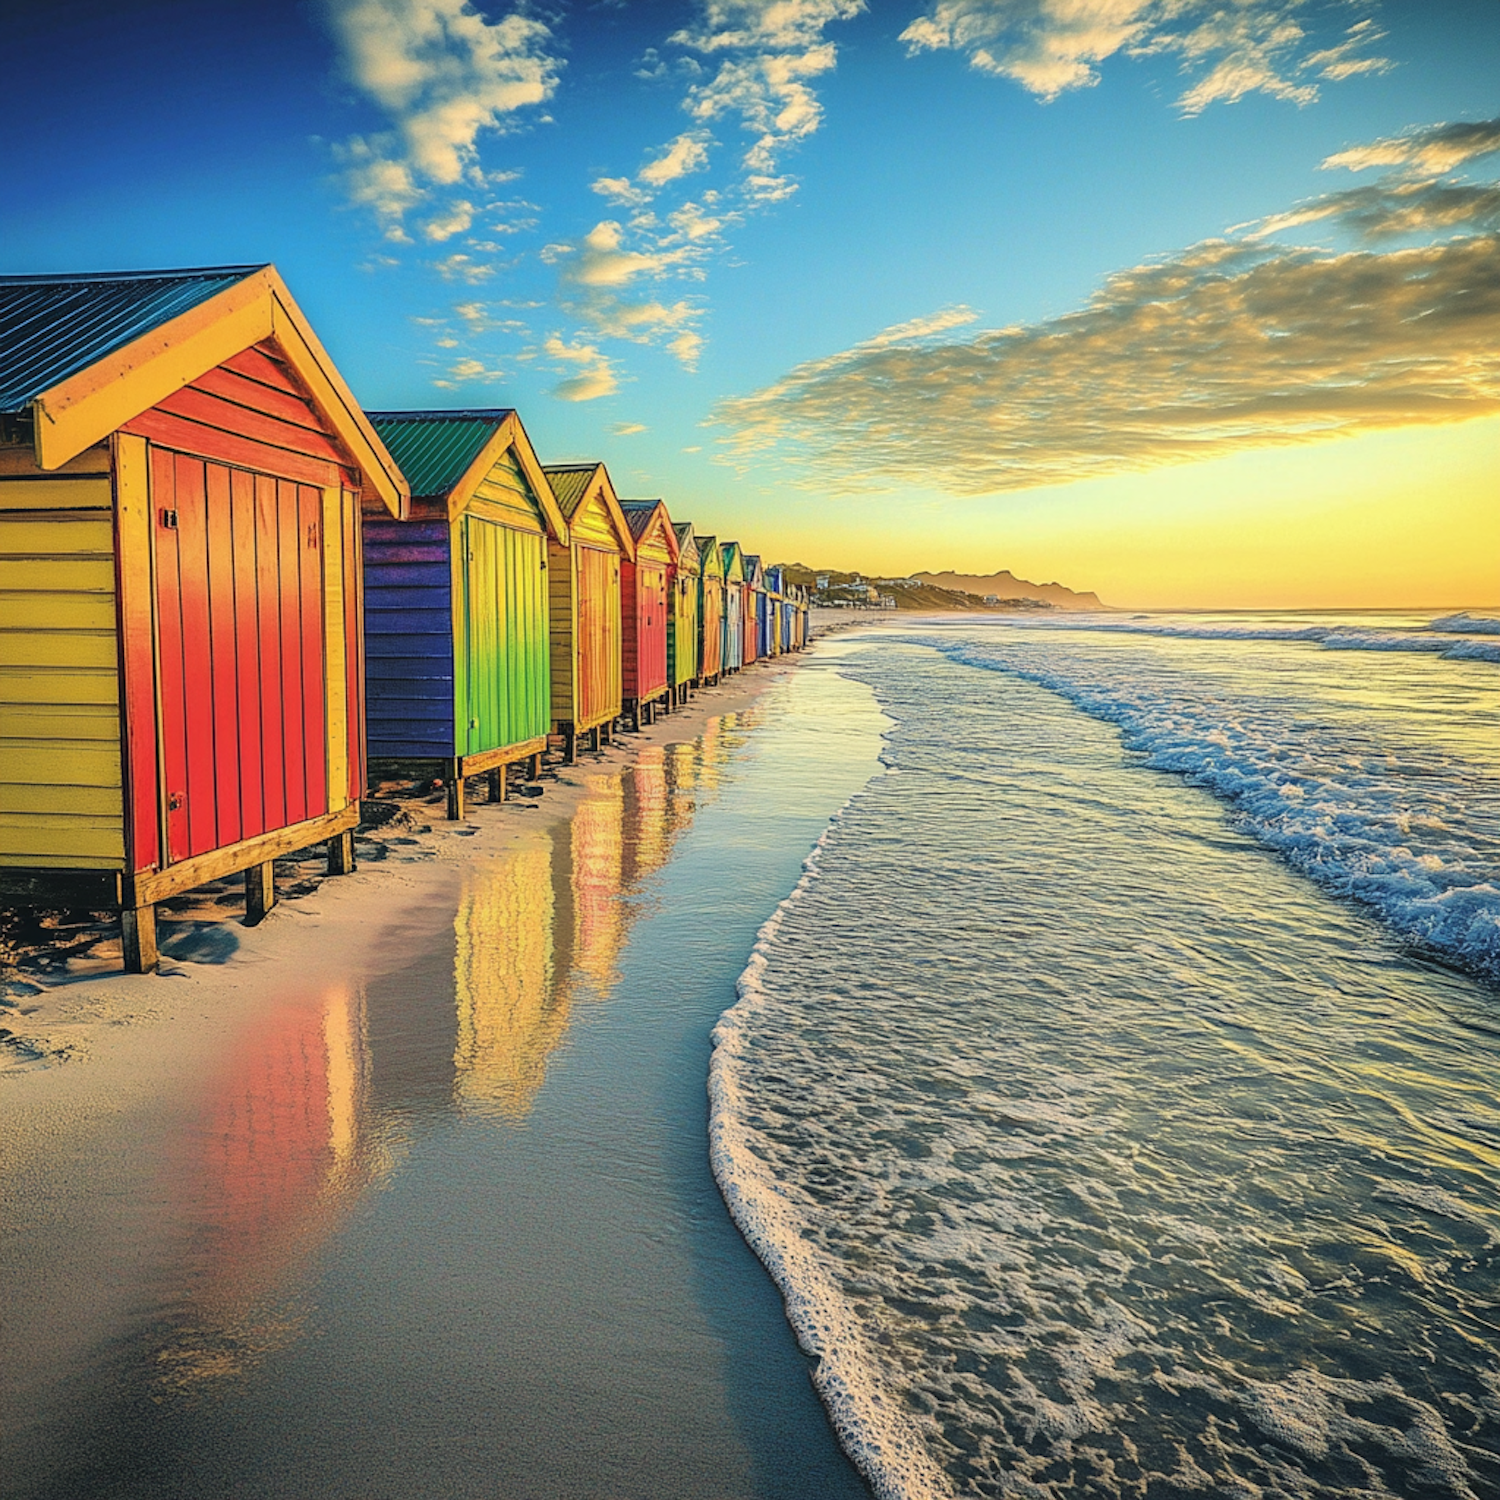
point(239, 607)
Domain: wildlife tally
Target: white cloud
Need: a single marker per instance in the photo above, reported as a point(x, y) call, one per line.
point(1050, 46)
point(442, 73)
point(771, 48)
point(457, 218)
point(686, 348)
point(461, 267)
point(1437, 148)
point(620, 190)
point(1241, 342)
point(688, 153)
point(602, 262)
point(595, 378)
point(628, 429)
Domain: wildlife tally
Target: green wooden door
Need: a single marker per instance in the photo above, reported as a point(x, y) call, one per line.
point(505, 625)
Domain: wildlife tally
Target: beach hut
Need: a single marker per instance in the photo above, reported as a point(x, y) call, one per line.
point(181, 471)
point(583, 583)
point(733, 654)
point(458, 680)
point(755, 598)
point(682, 624)
point(775, 601)
point(646, 603)
point(710, 610)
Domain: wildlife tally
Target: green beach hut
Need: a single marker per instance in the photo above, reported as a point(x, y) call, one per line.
point(457, 665)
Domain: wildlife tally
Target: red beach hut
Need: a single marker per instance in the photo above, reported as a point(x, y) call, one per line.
point(181, 470)
point(646, 603)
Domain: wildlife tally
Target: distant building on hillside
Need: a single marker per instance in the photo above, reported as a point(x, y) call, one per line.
point(888, 601)
point(822, 582)
point(992, 598)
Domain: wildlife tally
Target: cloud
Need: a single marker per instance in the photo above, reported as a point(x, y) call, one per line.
point(771, 48)
point(461, 267)
point(620, 190)
point(628, 429)
point(1240, 342)
point(688, 153)
point(466, 371)
point(442, 73)
point(596, 377)
point(1050, 46)
point(455, 220)
point(1437, 148)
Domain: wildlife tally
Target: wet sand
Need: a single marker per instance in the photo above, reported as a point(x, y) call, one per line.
point(405, 1190)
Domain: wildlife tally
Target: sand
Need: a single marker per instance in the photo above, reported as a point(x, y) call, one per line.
point(102, 1068)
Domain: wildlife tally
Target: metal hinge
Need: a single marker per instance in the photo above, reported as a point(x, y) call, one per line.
point(168, 519)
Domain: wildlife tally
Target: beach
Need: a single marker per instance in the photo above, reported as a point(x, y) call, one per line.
point(411, 1180)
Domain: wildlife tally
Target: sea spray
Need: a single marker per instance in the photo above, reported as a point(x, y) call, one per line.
point(880, 1438)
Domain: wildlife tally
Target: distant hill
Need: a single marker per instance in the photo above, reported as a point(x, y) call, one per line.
point(1006, 585)
point(908, 594)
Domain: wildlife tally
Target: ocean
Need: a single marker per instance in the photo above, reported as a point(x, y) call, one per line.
point(1116, 1099)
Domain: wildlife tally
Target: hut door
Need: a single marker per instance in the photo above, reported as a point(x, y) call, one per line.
point(239, 614)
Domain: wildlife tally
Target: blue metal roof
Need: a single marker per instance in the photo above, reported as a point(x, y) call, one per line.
point(435, 448)
point(52, 327)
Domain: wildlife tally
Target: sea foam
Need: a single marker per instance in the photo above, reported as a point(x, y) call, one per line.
point(873, 1429)
point(1410, 831)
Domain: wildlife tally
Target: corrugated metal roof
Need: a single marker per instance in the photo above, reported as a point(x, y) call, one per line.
point(52, 327)
point(569, 481)
point(435, 448)
point(638, 513)
point(751, 561)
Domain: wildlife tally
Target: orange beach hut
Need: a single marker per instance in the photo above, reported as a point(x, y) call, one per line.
point(646, 605)
point(583, 587)
point(181, 471)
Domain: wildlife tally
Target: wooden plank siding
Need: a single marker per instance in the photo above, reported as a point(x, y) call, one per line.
point(504, 626)
point(409, 661)
point(682, 633)
point(600, 644)
point(61, 776)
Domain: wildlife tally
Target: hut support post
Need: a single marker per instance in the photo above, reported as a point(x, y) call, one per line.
point(497, 784)
point(570, 745)
point(260, 891)
point(536, 768)
point(455, 791)
point(138, 939)
point(341, 853)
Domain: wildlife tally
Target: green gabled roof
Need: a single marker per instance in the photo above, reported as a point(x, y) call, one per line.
point(569, 481)
point(434, 449)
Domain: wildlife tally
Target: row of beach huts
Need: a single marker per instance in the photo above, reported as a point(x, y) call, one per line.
point(231, 598)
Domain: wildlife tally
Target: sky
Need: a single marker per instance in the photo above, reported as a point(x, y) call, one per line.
point(1193, 303)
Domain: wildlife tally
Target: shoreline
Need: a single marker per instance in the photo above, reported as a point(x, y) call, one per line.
point(624, 1282)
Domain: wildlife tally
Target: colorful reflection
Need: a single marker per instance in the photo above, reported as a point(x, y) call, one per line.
point(547, 925)
point(511, 1014)
point(282, 1149)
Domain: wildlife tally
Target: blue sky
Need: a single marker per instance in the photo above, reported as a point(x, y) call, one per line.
point(899, 285)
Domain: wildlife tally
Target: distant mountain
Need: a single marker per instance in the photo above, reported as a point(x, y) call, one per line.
point(1007, 586)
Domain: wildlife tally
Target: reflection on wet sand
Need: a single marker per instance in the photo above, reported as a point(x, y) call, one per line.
point(546, 925)
point(322, 1096)
point(282, 1151)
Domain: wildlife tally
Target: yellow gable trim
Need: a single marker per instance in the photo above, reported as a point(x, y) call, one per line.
point(510, 435)
point(85, 408)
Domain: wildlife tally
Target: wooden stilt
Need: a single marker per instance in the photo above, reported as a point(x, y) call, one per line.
point(138, 939)
point(260, 891)
point(455, 799)
point(497, 784)
point(570, 745)
point(341, 853)
point(536, 767)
